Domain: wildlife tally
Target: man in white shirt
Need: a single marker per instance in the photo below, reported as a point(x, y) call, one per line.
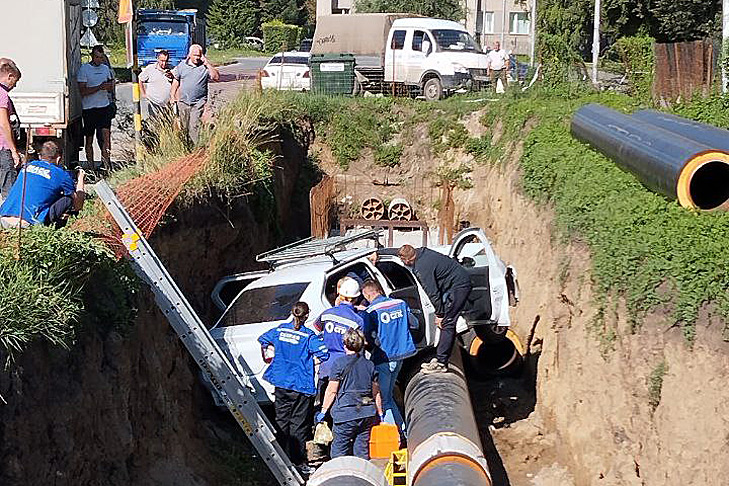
point(498, 61)
point(155, 82)
point(96, 83)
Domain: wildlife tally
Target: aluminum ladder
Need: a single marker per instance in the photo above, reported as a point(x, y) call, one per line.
point(200, 344)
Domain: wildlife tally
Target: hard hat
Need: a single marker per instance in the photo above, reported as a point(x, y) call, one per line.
point(349, 288)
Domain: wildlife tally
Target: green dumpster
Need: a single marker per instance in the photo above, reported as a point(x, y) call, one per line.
point(332, 74)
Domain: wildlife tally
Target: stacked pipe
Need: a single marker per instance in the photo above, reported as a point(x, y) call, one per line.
point(444, 446)
point(678, 158)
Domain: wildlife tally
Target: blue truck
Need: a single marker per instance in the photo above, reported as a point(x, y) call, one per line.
point(172, 30)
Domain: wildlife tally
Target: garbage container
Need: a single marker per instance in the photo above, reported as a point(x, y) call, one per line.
point(332, 74)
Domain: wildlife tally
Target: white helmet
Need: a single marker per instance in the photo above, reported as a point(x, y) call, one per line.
point(349, 288)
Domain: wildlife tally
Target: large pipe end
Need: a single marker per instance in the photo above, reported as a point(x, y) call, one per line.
point(447, 457)
point(348, 471)
point(704, 182)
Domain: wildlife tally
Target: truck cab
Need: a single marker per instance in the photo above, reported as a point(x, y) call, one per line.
point(437, 56)
point(171, 30)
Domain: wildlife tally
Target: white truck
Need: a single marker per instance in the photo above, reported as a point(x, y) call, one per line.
point(425, 56)
point(43, 38)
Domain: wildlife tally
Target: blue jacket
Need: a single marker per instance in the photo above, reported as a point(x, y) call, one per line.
point(292, 367)
point(332, 324)
point(387, 329)
point(46, 184)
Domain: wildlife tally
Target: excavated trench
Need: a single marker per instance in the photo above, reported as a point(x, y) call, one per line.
point(126, 407)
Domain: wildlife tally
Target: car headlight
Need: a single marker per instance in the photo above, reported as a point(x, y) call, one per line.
point(459, 68)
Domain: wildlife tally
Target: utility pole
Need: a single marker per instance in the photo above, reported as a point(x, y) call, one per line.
point(533, 24)
point(724, 47)
point(596, 41)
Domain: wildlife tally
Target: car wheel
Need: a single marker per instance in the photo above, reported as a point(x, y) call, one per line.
point(433, 89)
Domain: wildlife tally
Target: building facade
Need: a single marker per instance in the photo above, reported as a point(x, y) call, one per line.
point(506, 21)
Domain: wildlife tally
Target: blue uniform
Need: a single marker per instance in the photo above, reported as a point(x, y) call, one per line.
point(387, 328)
point(332, 324)
point(293, 364)
point(46, 184)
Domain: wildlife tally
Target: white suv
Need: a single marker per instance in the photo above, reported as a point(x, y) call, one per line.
point(254, 302)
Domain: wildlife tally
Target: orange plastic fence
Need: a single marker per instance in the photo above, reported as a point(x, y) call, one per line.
point(146, 199)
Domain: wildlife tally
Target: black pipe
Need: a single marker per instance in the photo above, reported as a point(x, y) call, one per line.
point(444, 445)
point(670, 164)
point(716, 138)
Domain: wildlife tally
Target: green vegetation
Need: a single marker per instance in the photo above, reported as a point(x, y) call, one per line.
point(655, 384)
point(279, 36)
point(388, 155)
point(638, 59)
point(230, 21)
point(62, 277)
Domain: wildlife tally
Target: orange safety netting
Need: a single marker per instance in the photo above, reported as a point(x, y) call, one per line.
point(146, 199)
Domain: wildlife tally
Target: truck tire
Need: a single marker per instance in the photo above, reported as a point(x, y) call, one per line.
point(433, 89)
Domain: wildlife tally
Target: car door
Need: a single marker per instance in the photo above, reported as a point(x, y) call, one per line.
point(395, 56)
point(416, 56)
point(488, 302)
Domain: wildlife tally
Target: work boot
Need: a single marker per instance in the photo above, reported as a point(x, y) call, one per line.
point(305, 470)
point(434, 366)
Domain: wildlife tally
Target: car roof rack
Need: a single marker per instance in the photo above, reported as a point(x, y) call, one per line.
point(311, 247)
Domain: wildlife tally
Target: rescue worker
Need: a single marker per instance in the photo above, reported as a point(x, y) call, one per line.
point(291, 348)
point(447, 284)
point(353, 395)
point(387, 325)
point(334, 322)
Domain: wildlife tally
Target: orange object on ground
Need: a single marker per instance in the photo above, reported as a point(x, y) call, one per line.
point(384, 440)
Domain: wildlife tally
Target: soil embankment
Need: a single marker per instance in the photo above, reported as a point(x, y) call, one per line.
point(126, 407)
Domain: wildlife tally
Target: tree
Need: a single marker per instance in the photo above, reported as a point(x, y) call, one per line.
point(230, 21)
point(288, 11)
point(682, 20)
point(442, 9)
point(570, 20)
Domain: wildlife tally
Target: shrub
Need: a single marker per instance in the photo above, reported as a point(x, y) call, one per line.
point(638, 58)
point(278, 36)
point(388, 155)
point(231, 20)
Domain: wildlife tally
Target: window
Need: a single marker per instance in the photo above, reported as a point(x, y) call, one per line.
point(398, 39)
point(519, 23)
point(488, 23)
point(418, 38)
point(454, 40)
point(290, 60)
point(264, 304)
point(162, 28)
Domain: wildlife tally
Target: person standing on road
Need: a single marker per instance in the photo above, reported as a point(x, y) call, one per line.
point(334, 323)
point(447, 285)
point(498, 62)
point(96, 83)
point(387, 330)
point(155, 82)
point(10, 160)
point(50, 193)
point(190, 89)
point(291, 371)
point(353, 395)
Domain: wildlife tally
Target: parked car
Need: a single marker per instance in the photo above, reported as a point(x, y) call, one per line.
point(254, 43)
point(254, 302)
point(305, 45)
point(287, 71)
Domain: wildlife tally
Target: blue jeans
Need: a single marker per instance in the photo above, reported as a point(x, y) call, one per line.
point(352, 438)
point(387, 373)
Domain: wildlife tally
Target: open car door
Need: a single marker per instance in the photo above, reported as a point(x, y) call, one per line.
point(228, 288)
point(488, 303)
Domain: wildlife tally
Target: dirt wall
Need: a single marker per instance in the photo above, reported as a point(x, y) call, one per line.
point(602, 417)
point(128, 408)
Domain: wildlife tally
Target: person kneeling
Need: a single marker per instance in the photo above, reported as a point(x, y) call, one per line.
point(353, 394)
point(48, 195)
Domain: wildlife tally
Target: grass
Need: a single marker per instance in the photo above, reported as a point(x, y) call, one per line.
point(655, 384)
point(61, 277)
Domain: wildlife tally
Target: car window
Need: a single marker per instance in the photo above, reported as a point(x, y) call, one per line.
point(418, 38)
point(359, 271)
point(398, 39)
point(290, 60)
point(264, 304)
point(397, 276)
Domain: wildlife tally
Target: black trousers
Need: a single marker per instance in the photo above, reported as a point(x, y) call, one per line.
point(295, 421)
point(453, 306)
point(59, 212)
